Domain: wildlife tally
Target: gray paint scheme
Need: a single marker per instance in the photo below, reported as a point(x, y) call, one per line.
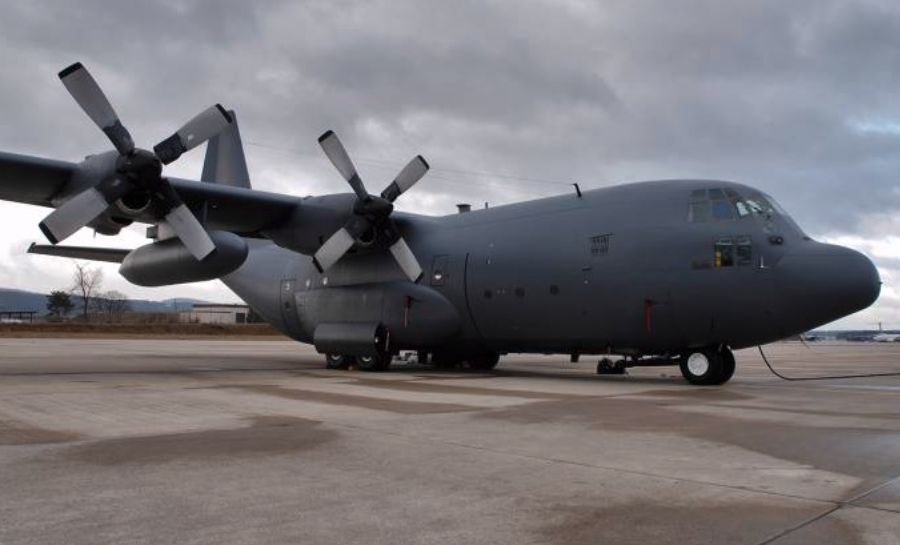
point(225, 163)
point(517, 278)
point(548, 293)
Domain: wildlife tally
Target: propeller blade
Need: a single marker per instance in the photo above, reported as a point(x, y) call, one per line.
point(333, 249)
point(411, 173)
point(198, 130)
point(90, 97)
point(406, 259)
point(189, 230)
point(335, 152)
point(179, 218)
point(74, 214)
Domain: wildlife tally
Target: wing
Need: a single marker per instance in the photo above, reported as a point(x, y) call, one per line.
point(245, 211)
point(32, 180)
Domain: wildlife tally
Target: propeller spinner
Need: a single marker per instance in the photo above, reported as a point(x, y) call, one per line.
point(370, 213)
point(137, 170)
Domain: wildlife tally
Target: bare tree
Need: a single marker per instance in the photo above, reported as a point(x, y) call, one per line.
point(112, 304)
point(87, 282)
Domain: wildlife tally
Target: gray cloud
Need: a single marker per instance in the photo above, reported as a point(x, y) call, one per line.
point(798, 98)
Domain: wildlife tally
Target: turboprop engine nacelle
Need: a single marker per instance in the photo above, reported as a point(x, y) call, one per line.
point(170, 262)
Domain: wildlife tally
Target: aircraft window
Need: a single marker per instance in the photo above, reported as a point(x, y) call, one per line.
point(716, 194)
point(724, 252)
point(721, 210)
point(732, 194)
point(699, 212)
point(743, 251)
point(698, 195)
point(760, 206)
point(741, 206)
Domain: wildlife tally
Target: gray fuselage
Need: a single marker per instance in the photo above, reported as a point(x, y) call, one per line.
point(638, 269)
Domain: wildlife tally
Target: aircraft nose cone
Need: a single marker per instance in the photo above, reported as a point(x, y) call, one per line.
point(823, 283)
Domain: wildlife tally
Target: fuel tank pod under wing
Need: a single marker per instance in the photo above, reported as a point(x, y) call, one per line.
point(170, 262)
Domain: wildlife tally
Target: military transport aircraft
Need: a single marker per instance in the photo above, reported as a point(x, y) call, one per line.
point(655, 273)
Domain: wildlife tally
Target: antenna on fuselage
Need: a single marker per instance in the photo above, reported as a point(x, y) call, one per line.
point(577, 189)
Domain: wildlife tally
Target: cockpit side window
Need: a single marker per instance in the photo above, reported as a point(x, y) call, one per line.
point(724, 252)
point(733, 251)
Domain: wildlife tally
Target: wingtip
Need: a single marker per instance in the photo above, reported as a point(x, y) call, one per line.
point(424, 162)
point(326, 135)
point(318, 266)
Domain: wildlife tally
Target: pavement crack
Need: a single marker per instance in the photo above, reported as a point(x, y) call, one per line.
point(839, 505)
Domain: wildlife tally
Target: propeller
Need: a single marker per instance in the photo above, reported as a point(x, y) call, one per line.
point(371, 214)
point(136, 170)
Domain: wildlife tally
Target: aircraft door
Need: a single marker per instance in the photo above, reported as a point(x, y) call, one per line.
point(289, 312)
point(447, 276)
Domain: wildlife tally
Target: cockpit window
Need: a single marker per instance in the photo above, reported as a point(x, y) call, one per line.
point(713, 205)
point(721, 210)
point(727, 204)
point(760, 206)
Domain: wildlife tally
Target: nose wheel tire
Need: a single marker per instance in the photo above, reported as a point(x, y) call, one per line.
point(709, 367)
point(337, 361)
point(729, 365)
point(374, 364)
point(482, 362)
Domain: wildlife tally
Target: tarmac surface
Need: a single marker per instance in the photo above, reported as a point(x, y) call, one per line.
point(208, 441)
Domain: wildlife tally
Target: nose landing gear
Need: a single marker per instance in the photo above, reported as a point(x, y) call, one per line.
point(708, 367)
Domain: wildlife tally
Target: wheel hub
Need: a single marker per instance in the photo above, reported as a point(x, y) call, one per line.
point(698, 364)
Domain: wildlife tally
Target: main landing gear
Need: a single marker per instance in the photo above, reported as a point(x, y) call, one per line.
point(372, 364)
point(607, 366)
point(708, 367)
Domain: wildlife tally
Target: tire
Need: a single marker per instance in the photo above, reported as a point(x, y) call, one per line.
point(337, 361)
point(728, 364)
point(445, 361)
point(605, 366)
point(704, 367)
point(374, 364)
point(483, 362)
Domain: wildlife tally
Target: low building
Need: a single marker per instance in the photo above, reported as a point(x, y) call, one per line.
point(213, 313)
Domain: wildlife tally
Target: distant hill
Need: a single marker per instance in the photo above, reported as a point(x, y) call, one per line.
point(29, 300)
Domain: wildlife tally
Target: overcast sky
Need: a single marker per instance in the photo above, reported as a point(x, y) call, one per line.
point(507, 101)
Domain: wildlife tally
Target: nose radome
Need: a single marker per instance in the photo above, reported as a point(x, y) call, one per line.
point(824, 282)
